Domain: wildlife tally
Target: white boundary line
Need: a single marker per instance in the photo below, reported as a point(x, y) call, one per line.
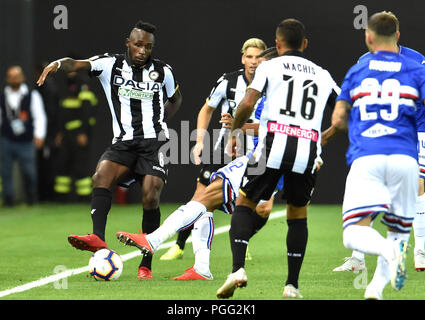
point(125, 257)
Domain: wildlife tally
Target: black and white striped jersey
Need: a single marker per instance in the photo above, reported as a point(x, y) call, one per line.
point(135, 96)
point(297, 91)
point(228, 92)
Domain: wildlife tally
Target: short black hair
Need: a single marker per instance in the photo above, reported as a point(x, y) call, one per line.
point(383, 23)
point(269, 53)
point(292, 32)
point(145, 26)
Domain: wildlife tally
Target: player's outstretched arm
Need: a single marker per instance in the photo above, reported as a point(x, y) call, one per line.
point(65, 64)
point(203, 121)
point(339, 121)
point(245, 108)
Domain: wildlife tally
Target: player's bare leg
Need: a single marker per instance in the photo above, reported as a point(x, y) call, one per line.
point(419, 228)
point(151, 192)
point(107, 175)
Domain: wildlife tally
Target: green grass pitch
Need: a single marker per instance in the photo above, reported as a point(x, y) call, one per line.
point(34, 242)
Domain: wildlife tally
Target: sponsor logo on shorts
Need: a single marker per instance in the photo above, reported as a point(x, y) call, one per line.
point(158, 169)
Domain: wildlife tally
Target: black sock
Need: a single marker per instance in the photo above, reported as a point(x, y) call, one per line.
point(258, 222)
point(182, 236)
point(100, 206)
point(296, 243)
point(150, 222)
point(240, 233)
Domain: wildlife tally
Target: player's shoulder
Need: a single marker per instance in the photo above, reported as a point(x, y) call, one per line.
point(161, 64)
point(106, 56)
point(233, 74)
point(412, 54)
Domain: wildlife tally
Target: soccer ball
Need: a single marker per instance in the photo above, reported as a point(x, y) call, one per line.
point(105, 265)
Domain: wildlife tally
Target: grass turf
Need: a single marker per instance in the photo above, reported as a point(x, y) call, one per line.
point(34, 243)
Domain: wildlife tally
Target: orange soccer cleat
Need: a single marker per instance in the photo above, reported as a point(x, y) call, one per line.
point(191, 274)
point(90, 242)
point(137, 240)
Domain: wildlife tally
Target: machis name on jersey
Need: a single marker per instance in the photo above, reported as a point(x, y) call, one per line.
point(298, 67)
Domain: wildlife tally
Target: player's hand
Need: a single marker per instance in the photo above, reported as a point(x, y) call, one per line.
point(226, 120)
point(38, 142)
point(197, 150)
point(233, 146)
point(50, 69)
point(319, 164)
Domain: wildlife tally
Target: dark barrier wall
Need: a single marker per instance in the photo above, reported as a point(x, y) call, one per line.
point(202, 39)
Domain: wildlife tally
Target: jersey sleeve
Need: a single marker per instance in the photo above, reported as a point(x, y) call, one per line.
point(260, 78)
point(100, 63)
point(345, 89)
point(420, 76)
point(170, 82)
point(218, 93)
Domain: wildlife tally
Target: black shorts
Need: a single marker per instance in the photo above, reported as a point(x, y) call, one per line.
point(141, 156)
point(298, 188)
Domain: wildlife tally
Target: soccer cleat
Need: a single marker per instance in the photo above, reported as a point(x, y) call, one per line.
point(420, 260)
point(351, 264)
point(144, 273)
point(291, 292)
point(398, 264)
point(173, 253)
point(90, 242)
point(192, 274)
point(372, 294)
point(137, 240)
point(234, 280)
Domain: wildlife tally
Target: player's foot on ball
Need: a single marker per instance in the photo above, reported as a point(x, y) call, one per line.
point(420, 260)
point(173, 253)
point(137, 240)
point(351, 264)
point(144, 273)
point(291, 292)
point(89, 242)
point(234, 280)
point(192, 274)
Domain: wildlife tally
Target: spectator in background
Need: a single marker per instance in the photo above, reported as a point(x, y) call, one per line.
point(23, 128)
point(75, 122)
point(45, 156)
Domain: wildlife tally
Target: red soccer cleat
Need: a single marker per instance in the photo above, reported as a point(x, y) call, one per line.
point(90, 242)
point(137, 240)
point(144, 273)
point(191, 274)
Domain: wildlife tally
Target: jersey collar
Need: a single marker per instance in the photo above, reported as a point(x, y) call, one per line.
point(293, 53)
point(145, 66)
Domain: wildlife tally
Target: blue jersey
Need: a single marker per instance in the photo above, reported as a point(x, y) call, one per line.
point(419, 57)
point(383, 89)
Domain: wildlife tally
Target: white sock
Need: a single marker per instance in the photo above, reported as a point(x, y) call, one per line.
point(367, 240)
point(419, 224)
point(180, 219)
point(202, 235)
point(358, 255)
point(382, 273)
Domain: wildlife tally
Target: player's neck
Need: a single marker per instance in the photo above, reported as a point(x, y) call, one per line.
point(387, 48)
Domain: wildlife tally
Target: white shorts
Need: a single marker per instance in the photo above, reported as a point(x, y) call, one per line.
point(382, 183)
point(232, 175)
point(421, 154)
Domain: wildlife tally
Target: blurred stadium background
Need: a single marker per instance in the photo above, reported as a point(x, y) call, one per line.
point(200, 40)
